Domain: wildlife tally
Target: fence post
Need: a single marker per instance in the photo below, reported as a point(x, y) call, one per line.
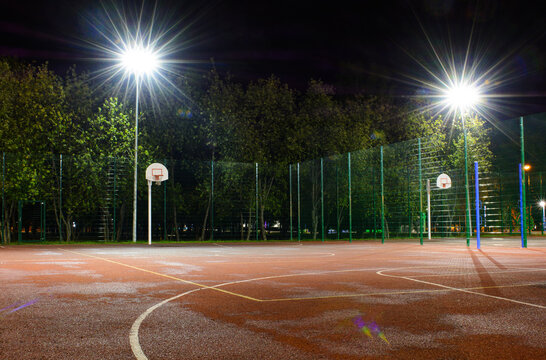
point(290, 185)
point(20, 221)
point(521, 206)
point(211, 200)
point(60, 197)
point(3, 235)
point(477, 181)
point(165, 205)
point(350, 200)
point(43, 220)
point(337, 199)
point(373, 204)
point(541, 199)
point(322, 195)
point(523, 214)
point(382, 199)
point(257, 215)
point(421, 219)
point(299, 204)
point(409, 203)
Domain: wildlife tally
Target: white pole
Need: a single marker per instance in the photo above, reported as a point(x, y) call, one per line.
point(136, 166)
point(149, 212)
point(428, 204)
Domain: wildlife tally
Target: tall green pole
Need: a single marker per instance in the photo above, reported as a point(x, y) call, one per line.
point(20, 222)
point(165, 206)
point(523, 215)
point(421, 213)
point(373, 204)
point(60, 197)
point(382, 200)
point(299, 204)
point(3, 197)
point(290, 185)
point(409, 204)
point(43, 222)
point(337, 199)
point(257, 202)
point(541, 199)
point(322, 195)
point(212, 200)
point(350, 200)
point(468, 219)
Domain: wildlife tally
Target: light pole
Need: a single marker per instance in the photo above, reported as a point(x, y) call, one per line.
point(463, 97)
point(139, 60)
point(542, 203)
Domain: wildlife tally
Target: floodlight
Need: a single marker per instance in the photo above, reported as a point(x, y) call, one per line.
point(139, 60)
point(462, 97)
point(542, 203)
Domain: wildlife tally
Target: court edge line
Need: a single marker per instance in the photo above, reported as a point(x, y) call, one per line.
point(164, 275)
point(380, 272)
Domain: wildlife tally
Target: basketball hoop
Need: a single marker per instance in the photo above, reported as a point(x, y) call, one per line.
point(443, 181)
point(157, 175)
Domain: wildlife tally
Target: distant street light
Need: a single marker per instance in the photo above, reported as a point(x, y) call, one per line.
point(462, 98)
point(140, 61)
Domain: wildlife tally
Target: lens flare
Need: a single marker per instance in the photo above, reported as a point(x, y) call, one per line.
point(369, 328)
point(141, 41)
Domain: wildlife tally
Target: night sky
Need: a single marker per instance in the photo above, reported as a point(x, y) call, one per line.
point(357, 46)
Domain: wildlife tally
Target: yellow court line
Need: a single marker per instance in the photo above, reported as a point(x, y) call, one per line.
point(164, 275)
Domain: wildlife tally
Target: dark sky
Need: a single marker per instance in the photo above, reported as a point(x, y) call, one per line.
point(358, 46)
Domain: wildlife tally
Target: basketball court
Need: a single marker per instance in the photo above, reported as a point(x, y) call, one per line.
point(309, 300)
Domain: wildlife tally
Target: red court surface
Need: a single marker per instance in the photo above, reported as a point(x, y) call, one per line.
point(334, 300)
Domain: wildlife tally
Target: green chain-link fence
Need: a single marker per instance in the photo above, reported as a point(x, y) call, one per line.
point(376, 193)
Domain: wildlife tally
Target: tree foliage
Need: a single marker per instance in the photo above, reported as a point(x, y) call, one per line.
point(212, 119)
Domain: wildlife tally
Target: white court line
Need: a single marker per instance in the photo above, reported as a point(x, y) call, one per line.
point(279, 256)
point(380, 272)
point(133, 334)
point(478, 273)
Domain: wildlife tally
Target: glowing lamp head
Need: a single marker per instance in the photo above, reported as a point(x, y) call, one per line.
point(542, 203)
point(139, 60)
point(526, 167)
point(462, 97)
